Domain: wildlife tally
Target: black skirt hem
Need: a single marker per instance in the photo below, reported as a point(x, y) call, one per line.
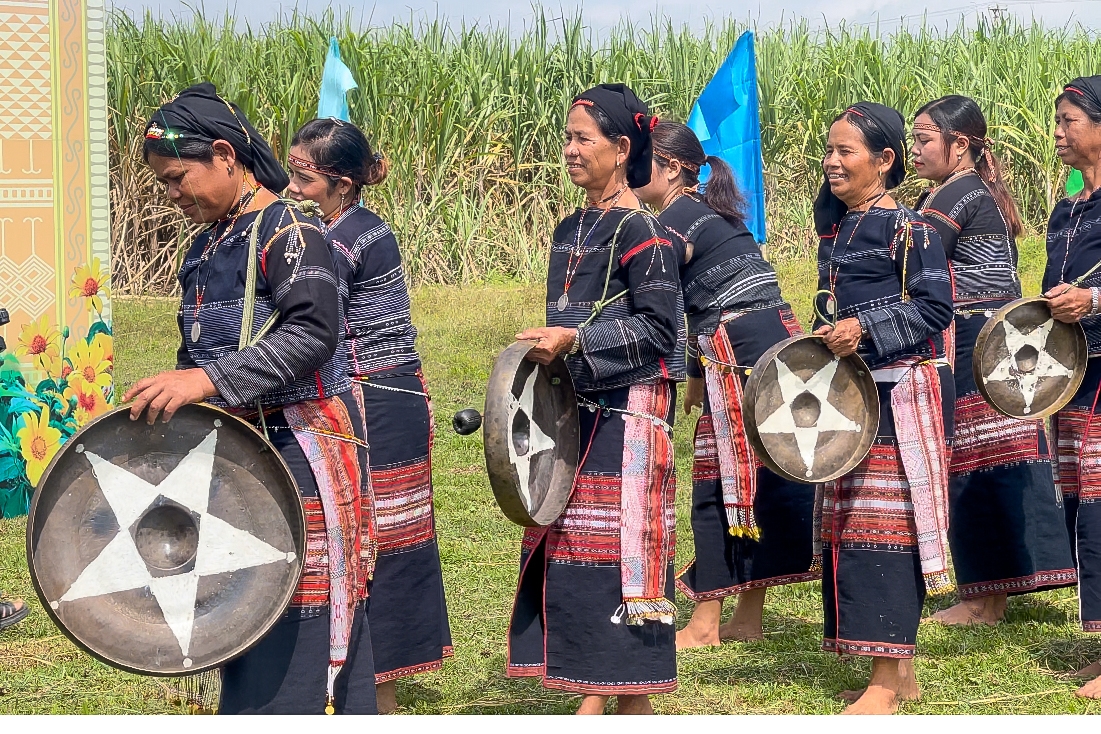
point(767, 583)
point(868, 649)
point(1039, 581)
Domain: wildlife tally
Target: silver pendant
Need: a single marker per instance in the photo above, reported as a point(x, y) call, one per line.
point(831, 306)
point(563, 302)
point(195, 331)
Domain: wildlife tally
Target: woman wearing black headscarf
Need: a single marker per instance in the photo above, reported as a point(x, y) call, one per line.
point(1072, 282)
point(220, 172)
point(594, 606)
point(884, 294)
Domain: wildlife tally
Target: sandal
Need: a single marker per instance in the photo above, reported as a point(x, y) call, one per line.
point(12, 612)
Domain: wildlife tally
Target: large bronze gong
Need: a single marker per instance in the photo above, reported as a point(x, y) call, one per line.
point(166, 549)
point(532, 436)
point(1026, 364)
point(810, 416)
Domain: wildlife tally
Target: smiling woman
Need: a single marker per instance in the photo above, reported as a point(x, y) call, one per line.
point(594, 609)
point(886, 296)
point(260, 321)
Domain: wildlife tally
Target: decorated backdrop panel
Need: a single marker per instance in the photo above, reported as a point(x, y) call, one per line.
point(55, 258)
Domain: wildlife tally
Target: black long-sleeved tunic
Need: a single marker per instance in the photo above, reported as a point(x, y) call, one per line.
point(726, 273)
point(902, 295)
point(629, 262)
point(296, 359)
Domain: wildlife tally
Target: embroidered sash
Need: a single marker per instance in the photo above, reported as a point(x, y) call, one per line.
point(919, 425)
point(643, 533)
point(336, 468)
point(737, 465)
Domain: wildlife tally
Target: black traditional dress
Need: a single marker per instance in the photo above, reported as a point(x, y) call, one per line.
point(1073, 248)
point(884, 523)
point(409, 628)
point(751, 528)
point(1007, 526)
point(593, 612)
point(291, 372)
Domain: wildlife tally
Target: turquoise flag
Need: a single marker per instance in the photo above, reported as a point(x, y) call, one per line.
point(336, 82)
point(726, 119)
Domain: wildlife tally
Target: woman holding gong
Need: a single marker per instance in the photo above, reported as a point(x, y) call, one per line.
point(1072, 283)
point(264, 261)
point(594, 608)
point(884, 294)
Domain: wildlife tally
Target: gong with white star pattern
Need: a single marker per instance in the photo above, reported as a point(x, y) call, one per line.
point(531, 436)
point(166, 549)
point(1026, 364)
point(809, 415)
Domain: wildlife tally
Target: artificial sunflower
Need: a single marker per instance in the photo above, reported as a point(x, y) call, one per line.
point(90, 402)
point(42, 343)
point(38, 442)
point(90, 365)
point(89, 281)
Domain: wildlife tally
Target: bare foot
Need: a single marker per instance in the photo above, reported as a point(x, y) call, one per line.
point(692, 637)
point(1090, 690)
point(592, 705)
point(731, 630)
point(703, 629)
point(986, 611)
point(386, 696)
point(908, 689)
point(634, 705)
point(745, 625)
point(876, 700)
point(1089, 672)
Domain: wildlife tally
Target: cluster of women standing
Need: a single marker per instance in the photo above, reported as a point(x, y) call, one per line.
point(295, 315)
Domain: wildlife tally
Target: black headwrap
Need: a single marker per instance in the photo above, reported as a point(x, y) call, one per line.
point(828, 209)
point(198, 112)
point(631, 118)
point(1088, 87)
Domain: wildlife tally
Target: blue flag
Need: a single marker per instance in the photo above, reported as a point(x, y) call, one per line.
point(726, 120)
point(336, 81)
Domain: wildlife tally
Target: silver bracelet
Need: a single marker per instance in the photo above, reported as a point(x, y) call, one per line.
point(1095, 300)
point(575, 347)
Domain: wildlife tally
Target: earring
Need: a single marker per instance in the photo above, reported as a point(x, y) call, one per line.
point(229, 170)
point(959, 157)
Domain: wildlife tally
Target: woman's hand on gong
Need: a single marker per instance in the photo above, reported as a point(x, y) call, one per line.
point(550, 341)
point(168, 392)
point(1068, 303)
point(842, 339)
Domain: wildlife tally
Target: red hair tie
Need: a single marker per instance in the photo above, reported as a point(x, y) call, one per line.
point(638, 120)
point(1076, 90)
point(653, 123)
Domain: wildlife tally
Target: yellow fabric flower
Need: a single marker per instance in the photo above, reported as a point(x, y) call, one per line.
point(89, 364)
point(107, 343)
point(42, 343)
point(89, 281)
point(90, 402)
point(38, 442)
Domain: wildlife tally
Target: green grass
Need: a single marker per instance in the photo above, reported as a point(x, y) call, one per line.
point(1018, 667)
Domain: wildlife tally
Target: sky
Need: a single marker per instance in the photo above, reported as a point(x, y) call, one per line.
point(603, 14)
